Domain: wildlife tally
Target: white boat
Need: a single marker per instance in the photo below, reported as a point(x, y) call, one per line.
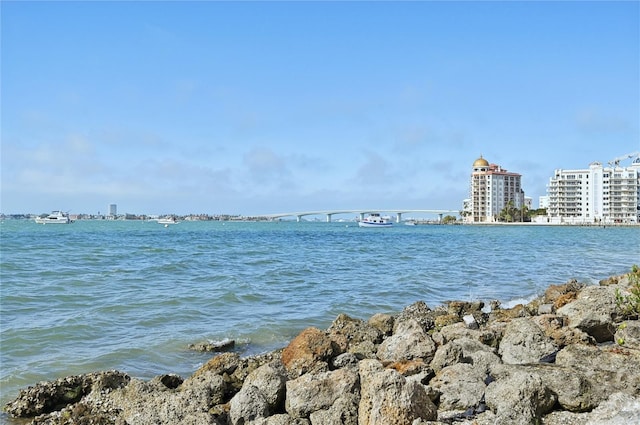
point(56, 217)
point(375, 220)
point(168, 220)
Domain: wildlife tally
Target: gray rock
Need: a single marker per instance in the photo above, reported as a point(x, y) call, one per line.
point(408, 342)
point(524, 342)
point(248, 405)
point(319, 391)
point(618, 409)
point(343, 411)
point(383, 322)
point(270, 379)
point(461, 386)
point(593, 312)
point(519, 399)
point(388, 398)
point(446, 355)
point(348, 332)
point(608, 369)
point(573, 391)
point(417, 312)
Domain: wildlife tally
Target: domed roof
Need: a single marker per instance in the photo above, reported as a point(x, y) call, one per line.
point(481, 162)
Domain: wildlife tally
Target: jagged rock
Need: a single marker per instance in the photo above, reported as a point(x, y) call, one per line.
point(388, 398)
point(343, 411)
point(573, 391)
point(417, 312)
point(46, 397)
point(207, 388)
point(345, 360)
point(617, 409)
point(348, 332)
point(555, 327)
point(215, 346)
point(520, 398)
point(225, 363)
point(146, 403)
point(616, 366)
point(447, 355)
point(409, 341)
point(553, 292)
point(262, 394)
point(490, 334)
point(245, 366)
point(460, 308)
point(382, 322)
point(310, 350)
point(319, 391)
point(461, 386)
point(593, 312)
point(248, 405)
point(524, 342)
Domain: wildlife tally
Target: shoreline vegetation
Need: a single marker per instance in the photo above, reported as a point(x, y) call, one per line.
point(570, 357)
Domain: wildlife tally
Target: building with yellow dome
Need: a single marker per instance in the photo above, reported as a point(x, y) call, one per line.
point(492, 188)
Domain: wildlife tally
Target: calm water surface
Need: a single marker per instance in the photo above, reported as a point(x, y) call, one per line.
point(130, 295)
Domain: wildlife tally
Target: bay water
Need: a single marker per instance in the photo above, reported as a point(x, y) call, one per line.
point(132, 295)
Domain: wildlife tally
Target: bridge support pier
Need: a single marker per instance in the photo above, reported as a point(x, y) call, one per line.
point(328, 218)
point(399, 218)
point(298, 218)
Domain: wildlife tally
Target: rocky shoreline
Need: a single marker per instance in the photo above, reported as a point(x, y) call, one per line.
point(570, 357)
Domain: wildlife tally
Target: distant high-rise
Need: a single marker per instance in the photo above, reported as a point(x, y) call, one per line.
point(598, 194)
point(113, 210)
point(492, 188)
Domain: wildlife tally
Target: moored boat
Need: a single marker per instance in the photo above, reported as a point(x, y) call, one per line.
point(56, 217)
point(375, 220)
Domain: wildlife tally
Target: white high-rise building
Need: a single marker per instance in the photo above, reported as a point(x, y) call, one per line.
point(492, 188)
point(113, 210)
point(598, 194)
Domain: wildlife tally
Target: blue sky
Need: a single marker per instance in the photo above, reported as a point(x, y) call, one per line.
point(266, 107)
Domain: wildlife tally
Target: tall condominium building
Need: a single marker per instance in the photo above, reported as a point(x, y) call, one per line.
point(598, 194)
point(492, 187)
point(113, 210)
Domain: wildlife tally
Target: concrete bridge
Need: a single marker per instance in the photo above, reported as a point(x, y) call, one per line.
point(329, 213)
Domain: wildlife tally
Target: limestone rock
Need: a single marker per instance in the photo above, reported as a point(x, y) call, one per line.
point(388, 398)
point(319, 391)
point(461, 386)
point(248, 405)
point(382, 322)
point(408, 342)
point(593, 312)
point(525, 342)
point(519, 399)
point(310, 350)
point(348, 332)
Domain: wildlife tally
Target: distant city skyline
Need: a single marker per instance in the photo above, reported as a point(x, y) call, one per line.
point(255, 108)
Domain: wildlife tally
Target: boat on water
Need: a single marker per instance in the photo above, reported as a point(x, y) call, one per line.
point(375, 220)
point(56, 217)
point(168, 220)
